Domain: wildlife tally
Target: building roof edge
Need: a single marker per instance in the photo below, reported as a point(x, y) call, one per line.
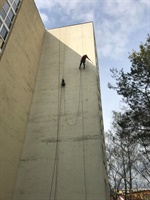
point(70, 25)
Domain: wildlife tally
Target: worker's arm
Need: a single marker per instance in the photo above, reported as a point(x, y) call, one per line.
point(89, 59)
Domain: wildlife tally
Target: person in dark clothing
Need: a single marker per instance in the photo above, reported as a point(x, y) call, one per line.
point(83, 59)
point(63, 83)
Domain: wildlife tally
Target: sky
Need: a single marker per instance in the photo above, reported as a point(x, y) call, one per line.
point(120, 27)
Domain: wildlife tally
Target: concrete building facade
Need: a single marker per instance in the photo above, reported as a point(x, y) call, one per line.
point(18, 69)
point(52, 140)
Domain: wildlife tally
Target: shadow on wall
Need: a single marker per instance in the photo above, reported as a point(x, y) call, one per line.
point(58, 55)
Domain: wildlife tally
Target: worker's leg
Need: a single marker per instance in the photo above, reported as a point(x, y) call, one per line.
point(84, 65)
point(80, 65)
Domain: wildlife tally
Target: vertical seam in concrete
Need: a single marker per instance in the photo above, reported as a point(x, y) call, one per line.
point(56, 158)
point(58, 123)
point(84, 160)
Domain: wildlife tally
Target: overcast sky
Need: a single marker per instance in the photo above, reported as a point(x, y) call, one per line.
point(120, 26)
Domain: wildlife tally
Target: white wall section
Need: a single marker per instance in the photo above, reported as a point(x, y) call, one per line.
point(64, 152)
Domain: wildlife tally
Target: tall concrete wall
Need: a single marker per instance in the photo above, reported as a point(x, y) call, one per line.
point(63, 155)
point(2, 3)
point(18, 69)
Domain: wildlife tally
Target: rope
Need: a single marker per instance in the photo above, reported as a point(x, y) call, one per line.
point(84, 47)
point(84, 163)
point(55, 167)
point(78, 107)
point(82, 40)
point(57, 155)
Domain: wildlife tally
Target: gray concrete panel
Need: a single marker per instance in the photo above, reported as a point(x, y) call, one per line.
point(63, 156)
point(19, 62)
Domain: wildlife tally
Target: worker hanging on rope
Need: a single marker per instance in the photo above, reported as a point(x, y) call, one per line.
point(83, 59)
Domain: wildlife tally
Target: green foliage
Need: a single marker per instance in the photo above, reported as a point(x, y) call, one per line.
point(128, 141)
point(134, 87)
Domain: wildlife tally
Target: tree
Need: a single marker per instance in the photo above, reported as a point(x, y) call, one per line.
point(134, 87)
point(124, 160)
point(124, 151)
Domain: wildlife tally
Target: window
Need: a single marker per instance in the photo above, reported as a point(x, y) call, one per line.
point(10, 15)
point(3, 32)
point(14, 6)
point(7, 14)
point(6, 7)
point(0, 22)
point(2, 14)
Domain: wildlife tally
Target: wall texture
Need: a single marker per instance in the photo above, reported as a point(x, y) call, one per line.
point(64, 151)
point(1, 3)
point(18, 69)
